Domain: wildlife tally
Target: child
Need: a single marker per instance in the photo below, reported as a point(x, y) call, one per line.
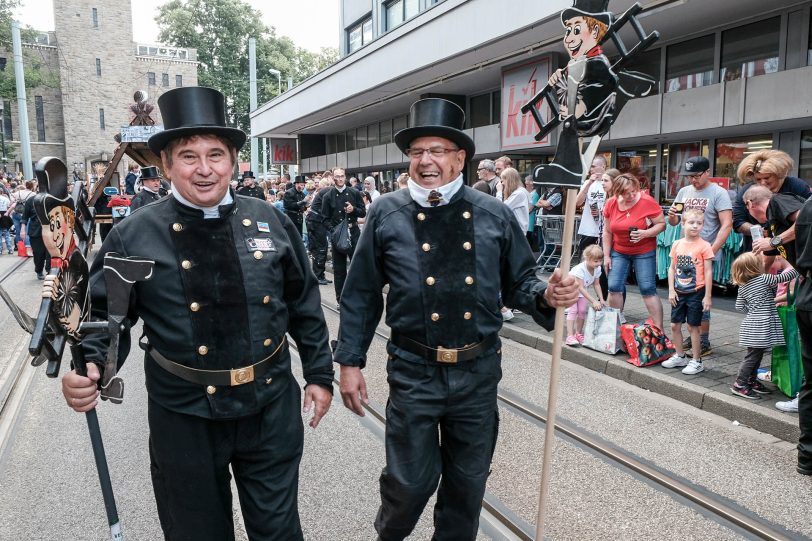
point(690, 280)
point(587, 273)
point(5, 236)
point(761, 328)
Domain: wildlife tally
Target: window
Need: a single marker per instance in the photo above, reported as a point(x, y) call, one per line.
point(674, 156)
point(399, 123)
point(3, 64)
point(372, 135)
point(101, 118)
point(7, 120)
point(484, 110)
point(341, 142)
point(351, 140)
point(164, 79)
point(398, 11)
point(361, 140)
point(645, 158)
point(151, 78)
point(730, 153)
point(359, 35)
point(40, 114)
point(385, 132)
point(689, 64)
point(178, 81)
point(98, 66)
point(750, 50)
point(805, 160)
point(95, 18)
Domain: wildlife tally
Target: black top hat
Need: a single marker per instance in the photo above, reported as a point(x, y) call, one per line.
point(299, 179)
point(44, 203)
point(193, 110)
point(597, 9)
point(248, 174)
point(150, 172)
point(436, 117)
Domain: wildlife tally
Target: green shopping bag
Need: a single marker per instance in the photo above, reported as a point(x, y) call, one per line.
point(787, 369)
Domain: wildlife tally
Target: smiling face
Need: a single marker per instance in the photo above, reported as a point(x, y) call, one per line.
point(578, 38)
point(200, 169)
point(57, 235)
point(431, 171)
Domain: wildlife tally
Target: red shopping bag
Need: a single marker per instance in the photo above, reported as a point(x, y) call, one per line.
point(21, 252)
point(646, 343)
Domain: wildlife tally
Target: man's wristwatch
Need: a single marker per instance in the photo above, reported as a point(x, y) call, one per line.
point(776, 241)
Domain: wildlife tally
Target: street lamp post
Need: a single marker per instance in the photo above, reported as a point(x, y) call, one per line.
point(3, 132)
point(278, 78)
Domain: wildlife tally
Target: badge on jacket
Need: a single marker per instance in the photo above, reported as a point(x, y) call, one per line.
point(263, 227)
point(263, 245)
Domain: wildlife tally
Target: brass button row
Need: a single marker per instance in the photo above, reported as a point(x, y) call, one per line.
point(430, 281)
point(436, 317)
point(202, 350)
point(421, 216)
point(186, 264)
point(466, 246)
point(426, 247)
point(177, 228)
point(257, 255)
point(469, 280)
point(194, 307)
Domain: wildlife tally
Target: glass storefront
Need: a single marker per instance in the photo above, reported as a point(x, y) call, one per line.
point(730, 153)
point(805, 160)
point(674, 156)
point(641, 158)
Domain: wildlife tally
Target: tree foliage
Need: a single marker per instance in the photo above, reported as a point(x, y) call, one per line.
point(36, 72)
point(219, 30)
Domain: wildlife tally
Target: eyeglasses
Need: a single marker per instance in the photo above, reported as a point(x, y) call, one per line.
point(434, 152)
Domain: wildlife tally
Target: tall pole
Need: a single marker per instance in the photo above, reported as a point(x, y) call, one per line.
point(252, 71)
point(25, 141)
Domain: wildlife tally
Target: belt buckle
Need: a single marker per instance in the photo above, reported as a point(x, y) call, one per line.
point(447, 356)
point(241, 376)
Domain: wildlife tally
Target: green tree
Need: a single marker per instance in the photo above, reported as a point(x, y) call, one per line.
point(219, 30)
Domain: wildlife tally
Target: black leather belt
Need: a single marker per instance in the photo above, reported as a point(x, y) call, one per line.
point(444, 355)
point(235, 376)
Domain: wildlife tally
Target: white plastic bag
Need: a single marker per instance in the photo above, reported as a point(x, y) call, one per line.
point(602, 330)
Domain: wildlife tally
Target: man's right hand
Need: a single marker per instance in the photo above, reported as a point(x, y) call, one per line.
point(353, 389)
point(81, 392)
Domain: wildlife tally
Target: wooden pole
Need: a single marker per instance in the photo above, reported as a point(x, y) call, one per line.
point(558, 342)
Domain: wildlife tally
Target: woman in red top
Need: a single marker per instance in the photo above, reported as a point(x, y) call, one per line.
point(632, 221)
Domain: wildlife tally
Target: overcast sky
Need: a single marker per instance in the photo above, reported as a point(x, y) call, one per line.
point(311, 24)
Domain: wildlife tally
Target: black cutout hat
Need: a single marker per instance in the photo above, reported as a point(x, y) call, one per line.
point(193, 110)
point(597, 9)
point(436, 117)
point(149, 172)
point(44, 203)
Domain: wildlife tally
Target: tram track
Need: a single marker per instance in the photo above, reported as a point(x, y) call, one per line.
point(709, 503)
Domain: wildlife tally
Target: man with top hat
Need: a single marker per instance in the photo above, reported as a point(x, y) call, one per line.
point(231, 278)
point(150, 188)
point(249, 188)
point(446, 252)
point(296, 202)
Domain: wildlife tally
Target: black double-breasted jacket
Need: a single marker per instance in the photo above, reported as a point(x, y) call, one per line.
point(332, 206)
point(294, 205)
point(253, 191)
point(445, 266)
point(223, 293)
point(143, 198)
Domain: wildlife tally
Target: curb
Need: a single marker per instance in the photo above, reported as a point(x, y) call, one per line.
point(770, 422)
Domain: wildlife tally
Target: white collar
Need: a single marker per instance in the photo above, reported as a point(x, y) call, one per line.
point(208, 212)
point(341, 189)
point(421, 195)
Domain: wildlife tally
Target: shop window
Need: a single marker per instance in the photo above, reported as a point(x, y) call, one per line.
point(674, 157)
point(642, 159)
point(750, 50)
point(479, 111)
point(372, 135)
point(39, 112)
point(330, 143)
point(689, 64)
point(385, 132)
point(730, 153)
point(361, 140)
point(351, 140)
point(805, 161)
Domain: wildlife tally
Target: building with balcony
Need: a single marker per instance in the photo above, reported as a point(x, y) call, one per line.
point(731, 75)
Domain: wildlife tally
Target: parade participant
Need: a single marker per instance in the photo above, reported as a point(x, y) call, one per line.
point(31, 232)
point(248, 188)
point(444, 352)
point(317, 233)
point(150, 188)
point(230, 280)
point(340, 201)
point(296, 202)
point(714, 202)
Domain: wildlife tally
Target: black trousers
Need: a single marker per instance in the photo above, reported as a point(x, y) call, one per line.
point(42, 259)
point(342, 261)
point(460, 401)
point(317, 245)
point(190, 457)
point(805, 396)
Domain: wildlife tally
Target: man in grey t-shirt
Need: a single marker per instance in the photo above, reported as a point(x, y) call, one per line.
point(714, 200)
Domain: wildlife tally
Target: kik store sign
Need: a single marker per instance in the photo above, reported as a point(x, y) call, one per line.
point(283, 151)
point(519, 84)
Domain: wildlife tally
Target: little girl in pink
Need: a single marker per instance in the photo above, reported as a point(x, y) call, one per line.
point(587, 273)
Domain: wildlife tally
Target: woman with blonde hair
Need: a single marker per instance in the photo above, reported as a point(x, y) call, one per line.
point(515, 196)
point(768, 168)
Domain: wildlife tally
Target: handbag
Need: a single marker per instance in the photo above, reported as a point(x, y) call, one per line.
point(787, 368)
point(340, 237)
point(646, 343)
point(602, 330)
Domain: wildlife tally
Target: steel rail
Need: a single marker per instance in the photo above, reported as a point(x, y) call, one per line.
point(715, 506)
point(11, 375)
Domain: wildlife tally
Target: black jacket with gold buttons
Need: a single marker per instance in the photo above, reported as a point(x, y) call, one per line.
point(445, 266)
point(223, 293)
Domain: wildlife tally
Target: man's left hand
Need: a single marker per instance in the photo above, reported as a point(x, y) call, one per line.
point(761, 245)
point(321, 398)
point(561, 292)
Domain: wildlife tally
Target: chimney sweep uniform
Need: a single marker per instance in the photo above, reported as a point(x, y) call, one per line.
point(253, 190)
point(446, 255)
point(146, 195)
point(229, 282)
point(332, 208)
point(295, 204)
point(317, 236)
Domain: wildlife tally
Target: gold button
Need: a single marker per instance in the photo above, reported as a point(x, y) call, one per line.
point(211, 389)
point(186, 264)
point(202, 350)
point(257, 255)
point(426, 247)
point(467, 315)
point(266, 299)
point(194, 307)
point(421, 216)
point(267, 342)
point(246, 222)
point(430, 281)
point(469, 280)
point(435, 316)
point(466, 215)
point(466, 245)
point(177, 227)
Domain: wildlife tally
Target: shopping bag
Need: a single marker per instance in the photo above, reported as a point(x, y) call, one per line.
point(21, 252)
point(340, 237)
point(602, 330)
point(646, 343)
point(787, 368)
